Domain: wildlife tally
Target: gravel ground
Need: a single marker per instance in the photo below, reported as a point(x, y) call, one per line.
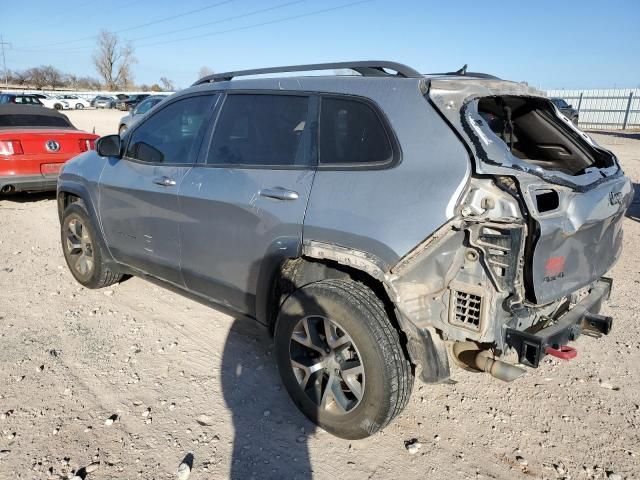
point(128, 381)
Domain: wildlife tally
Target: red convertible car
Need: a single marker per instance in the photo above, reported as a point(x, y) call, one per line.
point(34, 143)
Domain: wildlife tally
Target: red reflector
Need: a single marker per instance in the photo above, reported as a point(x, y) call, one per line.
point(565, 352)
point(87, 144)
point(11, 147)
point(50, 168)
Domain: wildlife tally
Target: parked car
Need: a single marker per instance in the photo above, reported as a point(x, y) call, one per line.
point(102, 101)
point(20, 99)
point(34, 143)
point(52, 102)
point(566, 109)
point(137, 113)
point(379, 226)
point(130, 102)
point(75, 101)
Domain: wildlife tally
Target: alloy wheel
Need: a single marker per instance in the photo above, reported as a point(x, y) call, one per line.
point(79, 248)
point(327, 364)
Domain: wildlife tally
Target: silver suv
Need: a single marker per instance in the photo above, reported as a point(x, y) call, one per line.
point(382, 225)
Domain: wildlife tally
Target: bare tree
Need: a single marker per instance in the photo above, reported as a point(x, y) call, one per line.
point(113, 60)
point(37, 77)
point(167, 85)
point(88, 83)
point(204, 71)
point(53, 76)
point(19, 77)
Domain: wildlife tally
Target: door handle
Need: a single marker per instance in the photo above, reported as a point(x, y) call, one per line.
point(164, 181)
point(279, 193)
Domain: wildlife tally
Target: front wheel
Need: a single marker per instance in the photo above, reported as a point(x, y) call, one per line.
point(82, 252)
point(122, 130)
point(340, 358)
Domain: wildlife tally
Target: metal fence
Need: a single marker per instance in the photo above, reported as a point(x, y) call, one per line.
point(604, 109)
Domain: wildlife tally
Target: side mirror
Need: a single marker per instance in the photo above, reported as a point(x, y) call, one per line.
point(109, 146)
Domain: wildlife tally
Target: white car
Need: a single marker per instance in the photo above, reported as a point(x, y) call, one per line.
point(75, 101)
point(56, 103)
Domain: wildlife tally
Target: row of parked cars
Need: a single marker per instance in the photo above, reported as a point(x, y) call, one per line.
point(75, 102)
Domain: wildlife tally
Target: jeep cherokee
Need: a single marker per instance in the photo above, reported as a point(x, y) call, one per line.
point(382, 225)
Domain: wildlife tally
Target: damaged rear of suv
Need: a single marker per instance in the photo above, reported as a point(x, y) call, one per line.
point(380, 225)
point(542, 222)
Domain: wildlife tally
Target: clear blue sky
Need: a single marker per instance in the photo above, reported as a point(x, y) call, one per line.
point(550, 44)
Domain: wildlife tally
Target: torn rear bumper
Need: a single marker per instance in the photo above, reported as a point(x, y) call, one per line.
point(583, 317)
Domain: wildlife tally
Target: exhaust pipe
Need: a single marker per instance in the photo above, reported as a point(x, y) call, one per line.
point(7, 189)
point(497, 368)
point(469, 356)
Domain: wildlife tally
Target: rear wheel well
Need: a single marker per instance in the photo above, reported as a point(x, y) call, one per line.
point(65, 199)
point(298, 272)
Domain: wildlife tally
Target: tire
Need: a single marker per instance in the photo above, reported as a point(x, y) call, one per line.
point(81, 242)
point(122, 130)
point(575, 121)
point(58, 106)
point(79, 106)
point(379, 384)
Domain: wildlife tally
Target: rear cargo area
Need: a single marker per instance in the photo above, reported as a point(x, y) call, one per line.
point(535, 134)
point(571, 191)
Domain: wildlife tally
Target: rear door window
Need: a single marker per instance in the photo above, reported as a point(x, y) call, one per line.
point(352, 133)
point(172, 135)
point(261, 130)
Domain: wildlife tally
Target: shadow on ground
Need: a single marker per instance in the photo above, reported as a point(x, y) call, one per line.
point(25, 197)
point(633, 212)
point(617, 133)
point(270, 432)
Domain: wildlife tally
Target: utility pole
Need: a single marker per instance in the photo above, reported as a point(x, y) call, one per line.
point(4, 61)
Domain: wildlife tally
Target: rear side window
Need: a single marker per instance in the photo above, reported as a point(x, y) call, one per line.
point(172, 134)
point(261, 130)
point(351, 133)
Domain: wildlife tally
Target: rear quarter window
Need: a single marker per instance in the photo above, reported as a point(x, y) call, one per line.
point(352, 133)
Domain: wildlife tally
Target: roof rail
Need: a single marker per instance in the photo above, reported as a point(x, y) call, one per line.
point(366, 69)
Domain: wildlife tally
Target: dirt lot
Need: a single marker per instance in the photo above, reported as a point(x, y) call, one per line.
point(135, 377)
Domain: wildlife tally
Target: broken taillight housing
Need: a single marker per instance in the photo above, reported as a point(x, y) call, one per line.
point(87, 144)
point(11, 147)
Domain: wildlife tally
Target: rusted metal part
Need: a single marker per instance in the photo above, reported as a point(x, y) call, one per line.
point(347, 256)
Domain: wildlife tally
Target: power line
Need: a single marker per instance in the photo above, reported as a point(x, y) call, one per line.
point(142, 25)
point(79, 49)
point(172, 17)
point(222, 20)
point(255, 25)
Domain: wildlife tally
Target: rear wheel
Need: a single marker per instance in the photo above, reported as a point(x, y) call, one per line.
point(79, 106)
point(82, 252)
point(58, 106)
point(341, 359)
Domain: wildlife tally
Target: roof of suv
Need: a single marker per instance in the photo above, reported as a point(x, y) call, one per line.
point(366, 74)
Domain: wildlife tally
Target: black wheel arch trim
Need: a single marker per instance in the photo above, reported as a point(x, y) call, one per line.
point(80, 191)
